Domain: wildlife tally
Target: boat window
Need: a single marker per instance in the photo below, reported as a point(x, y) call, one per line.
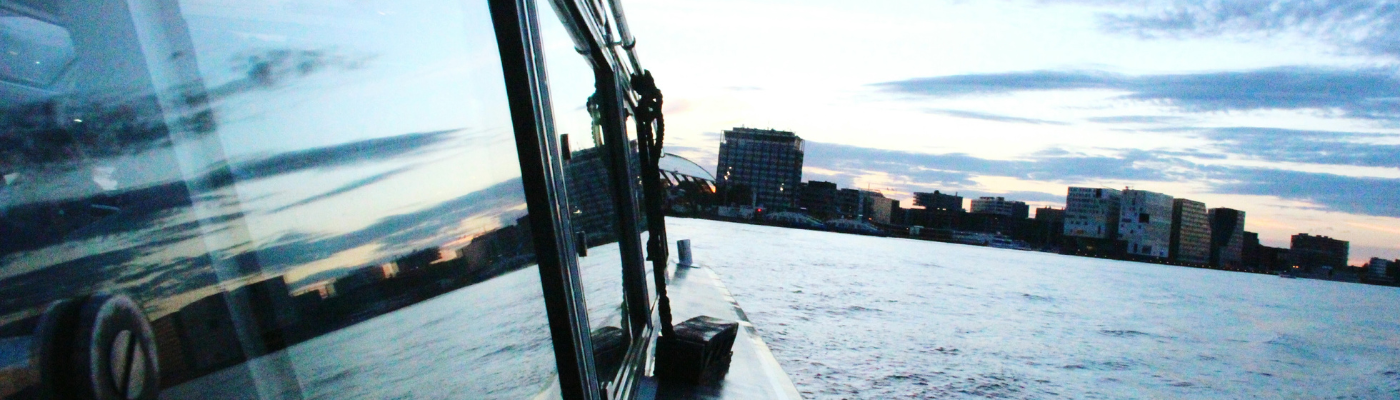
point(32, 52)
point(640, 194)
point(304, 200)
point(592, 214)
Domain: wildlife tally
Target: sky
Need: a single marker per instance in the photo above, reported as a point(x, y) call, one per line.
point(1288, 110)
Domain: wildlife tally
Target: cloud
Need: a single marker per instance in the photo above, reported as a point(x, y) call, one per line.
point(328, 157)
point(1018, 195)
point(991, 117)
point(1355, 93)
point(1317, 147)
point(1138, 119)
point(399, 232)
point(955, 85)
point(346, 188)
point(1352, 25)
point(957, 169)
point(1367, 196)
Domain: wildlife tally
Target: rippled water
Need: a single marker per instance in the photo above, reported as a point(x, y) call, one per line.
point(863, 317)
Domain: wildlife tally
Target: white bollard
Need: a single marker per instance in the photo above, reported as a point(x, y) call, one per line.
point(683, 252)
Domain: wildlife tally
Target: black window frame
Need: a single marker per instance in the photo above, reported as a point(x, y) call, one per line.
point(542, 169)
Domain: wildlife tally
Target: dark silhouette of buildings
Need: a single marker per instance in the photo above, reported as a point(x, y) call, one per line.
point(768, 162)
point(1000, 206)
point(1190, 243)
point(850, 203)
point(1227, 237)
point(1048, 227)
point(1050, 214)
point(938, 201)
point(1313, 253)
point(1250, 254)
point(819, 198)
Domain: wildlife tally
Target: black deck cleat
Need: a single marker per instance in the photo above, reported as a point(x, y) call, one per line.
point(699, 352)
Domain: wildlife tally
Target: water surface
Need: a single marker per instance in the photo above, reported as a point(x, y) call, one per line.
point(864, 317)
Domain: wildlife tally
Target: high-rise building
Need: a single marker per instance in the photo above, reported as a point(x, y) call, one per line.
point(1145, 223)
point(938, 201)
point(1000, 206)
point(819, 198)
point(1314, 252)
point(768, 162)
point(1092, 213)
point(1226, 237)
point(1190, 232)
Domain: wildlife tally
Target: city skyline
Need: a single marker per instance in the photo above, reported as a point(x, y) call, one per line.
point(1280, 108)
point(1225, 246)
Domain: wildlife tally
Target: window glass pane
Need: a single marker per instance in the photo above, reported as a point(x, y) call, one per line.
point(32, 52)
point(640, 193)
point(593, 217)
point(306, 200)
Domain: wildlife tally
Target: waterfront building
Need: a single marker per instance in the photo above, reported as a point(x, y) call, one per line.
point(865, 204)
point(882, 209)
point(1250, 253)
point(273, 312)
point(929, 218)
point(1145, 223)
point(1046, 229)
point(1378, 267)
point(1227, 237)
point(1190, 243)
point(1092, 212)
point(1314, 253)
point(768, 162)
point(1050, 214)
point(938, 201)
point(850, 203)
point(819, 198)
point(1000, 206)
point(1274, 258)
